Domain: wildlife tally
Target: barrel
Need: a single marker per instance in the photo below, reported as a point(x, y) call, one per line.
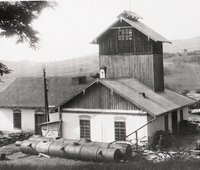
point(29, 147)
point(56, 149)
point(40, 138)
point(89, 153)
point(72, 151)
point(43, 147)
point(108, 154)
point(125, 149)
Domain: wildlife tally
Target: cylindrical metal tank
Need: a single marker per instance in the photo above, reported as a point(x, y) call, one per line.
point(29, 147)
point(89, 153)
point(108, 154)
point(40, 138)
point(72, 151)
point(57, 149)
point(43, 147)
point(125, 149)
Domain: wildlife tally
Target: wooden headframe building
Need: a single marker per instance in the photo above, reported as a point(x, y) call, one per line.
point(130, 48)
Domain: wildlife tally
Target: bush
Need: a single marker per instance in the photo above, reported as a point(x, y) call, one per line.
point(161, 141)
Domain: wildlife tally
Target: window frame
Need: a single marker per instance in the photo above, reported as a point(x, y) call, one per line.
point(85, 128)
point(125, 34)
point(17, 119)
point(120, 130)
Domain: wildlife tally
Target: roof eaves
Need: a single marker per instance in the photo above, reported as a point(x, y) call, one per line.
point(95, 41)
point(162, 39)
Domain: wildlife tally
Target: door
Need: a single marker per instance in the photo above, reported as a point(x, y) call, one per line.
point(39, 118)
point(174, 122)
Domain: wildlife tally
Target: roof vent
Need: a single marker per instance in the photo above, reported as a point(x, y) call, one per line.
point(142, 93)
point(130, 15)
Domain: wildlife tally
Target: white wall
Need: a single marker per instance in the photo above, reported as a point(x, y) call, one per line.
point(102, 126)
point(156, 125)
point(6, 119)
point(159, 123)
point(27, 120)
point(54, 117)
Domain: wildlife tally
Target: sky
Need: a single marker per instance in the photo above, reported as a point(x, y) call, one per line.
point(67, 31)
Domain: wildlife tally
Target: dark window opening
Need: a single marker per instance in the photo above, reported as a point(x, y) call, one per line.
point(84, 129)
point(17, 119)
point(125, 34)
point(120, 130)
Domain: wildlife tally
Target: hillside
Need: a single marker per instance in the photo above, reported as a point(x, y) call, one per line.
point(190, 44)
point(78, 66)
point(182, 70)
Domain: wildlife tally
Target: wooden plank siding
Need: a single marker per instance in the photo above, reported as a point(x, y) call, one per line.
point(100, 97)
point(140, 43)
point(158, 72)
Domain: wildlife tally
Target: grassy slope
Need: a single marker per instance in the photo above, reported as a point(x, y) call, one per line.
point(181, 72)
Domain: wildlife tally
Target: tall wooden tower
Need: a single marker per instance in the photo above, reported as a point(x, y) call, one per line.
point(130, 48)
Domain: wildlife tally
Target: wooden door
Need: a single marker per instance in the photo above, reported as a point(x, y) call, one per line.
point(39, 118)
point(174, 122)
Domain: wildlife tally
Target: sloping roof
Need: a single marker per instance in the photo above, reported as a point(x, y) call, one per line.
point(29, 92)
point(140, 95)
point(137, 25)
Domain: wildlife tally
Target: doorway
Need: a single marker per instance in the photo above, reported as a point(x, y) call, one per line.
point(39, 118)
point(174, 122)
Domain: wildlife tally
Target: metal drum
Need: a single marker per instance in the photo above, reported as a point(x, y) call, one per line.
point(108, 154)
point(57, 149)
point(125, 149)
point(29, 147)
point(40, 138)
point(89, 153)
point(72, 151)
point(43, 147)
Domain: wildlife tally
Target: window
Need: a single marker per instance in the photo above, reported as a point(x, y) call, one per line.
point(84, 128)
point(17, 119)
point(181, 115)
point(120, 130)
point(125, 34)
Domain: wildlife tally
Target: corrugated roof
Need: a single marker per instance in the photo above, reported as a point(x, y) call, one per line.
point(146, 30)
point(142, 96)
point(29, 92)
point(140, 27)
point(153, 103)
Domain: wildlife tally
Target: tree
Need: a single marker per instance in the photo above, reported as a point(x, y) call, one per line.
point(16, 19)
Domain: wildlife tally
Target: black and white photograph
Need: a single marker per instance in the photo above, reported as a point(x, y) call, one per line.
point(100, 85)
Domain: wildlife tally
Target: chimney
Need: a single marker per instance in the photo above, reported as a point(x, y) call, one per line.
point(103, 72)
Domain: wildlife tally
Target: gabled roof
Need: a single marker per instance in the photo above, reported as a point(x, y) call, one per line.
point(135, 23)
point(28, 92)
point(140, 95)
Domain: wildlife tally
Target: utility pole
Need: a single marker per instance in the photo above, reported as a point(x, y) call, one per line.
point(46, 103)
